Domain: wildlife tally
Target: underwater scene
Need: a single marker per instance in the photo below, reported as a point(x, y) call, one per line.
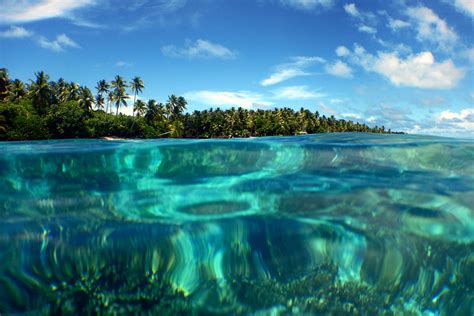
point(328, 224)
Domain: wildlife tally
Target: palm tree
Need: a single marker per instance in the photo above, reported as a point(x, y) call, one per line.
point(99, 102)
point(140, 107)
point(151, 108)
point(176, 129)
point(175, 106)
point(137, 87)
point(181, 106)
point(172, 100)
point(155, 111)
point(41, 92)
point(62, 90)
point(119, 82)
point(4, 82)
point(120, 98)
point(120, 95)
point(16, 90)
point(86, 99)
point(102, 88)
point(110, 100)
point(74, 92)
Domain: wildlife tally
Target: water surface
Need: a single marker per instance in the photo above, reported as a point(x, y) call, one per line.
point(333, 224)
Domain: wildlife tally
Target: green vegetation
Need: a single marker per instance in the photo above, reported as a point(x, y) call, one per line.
point(45, 109)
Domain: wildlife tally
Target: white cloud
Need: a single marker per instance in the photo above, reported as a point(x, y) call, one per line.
point(59, 44)
point(449, 123)
point(245, 99)
point(400, 48)
point(296, 68)
point(339, 69)
point(14, 11)
point(418, 70)
point(78, 21)
point(352, 116)
point(16, 32)
point(362, 16)
point(199, 49)
point(63, 40)
point(336, 101)
point(371, 119)
point(367, 29)
point(466, 115)
point(282, 75)
point(431, 28)
point(302, 61)
point(395, 24)
point(126, 110)
point(365, 19)
point(464, 6)
point(51, 45)
point(296, 92)
point(342, 51)
point(122, 63)
point(421, 70)
point(351, 9)
point(308, 4)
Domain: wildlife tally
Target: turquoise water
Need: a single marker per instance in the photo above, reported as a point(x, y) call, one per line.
point(329, 224)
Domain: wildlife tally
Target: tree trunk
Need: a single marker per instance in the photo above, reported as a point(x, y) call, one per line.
point(134, 103)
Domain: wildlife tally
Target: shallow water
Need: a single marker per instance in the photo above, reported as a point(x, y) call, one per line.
point(333, 224)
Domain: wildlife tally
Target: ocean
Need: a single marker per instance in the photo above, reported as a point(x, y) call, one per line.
point(326, 224)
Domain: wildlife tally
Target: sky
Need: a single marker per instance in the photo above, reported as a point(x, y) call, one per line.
point(407, 65)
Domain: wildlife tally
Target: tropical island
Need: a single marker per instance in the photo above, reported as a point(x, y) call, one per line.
point(44, 109)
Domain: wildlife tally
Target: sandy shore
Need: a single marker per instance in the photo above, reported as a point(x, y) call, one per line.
point(113, 138)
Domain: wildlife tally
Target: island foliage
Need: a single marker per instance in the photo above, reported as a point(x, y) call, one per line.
point(45, 109)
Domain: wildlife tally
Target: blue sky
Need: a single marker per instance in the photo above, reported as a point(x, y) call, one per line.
point(407, 65)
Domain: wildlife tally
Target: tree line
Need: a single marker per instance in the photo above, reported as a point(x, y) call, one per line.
point(44, 109)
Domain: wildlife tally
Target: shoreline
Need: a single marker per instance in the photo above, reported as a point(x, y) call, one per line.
point(112, 138)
